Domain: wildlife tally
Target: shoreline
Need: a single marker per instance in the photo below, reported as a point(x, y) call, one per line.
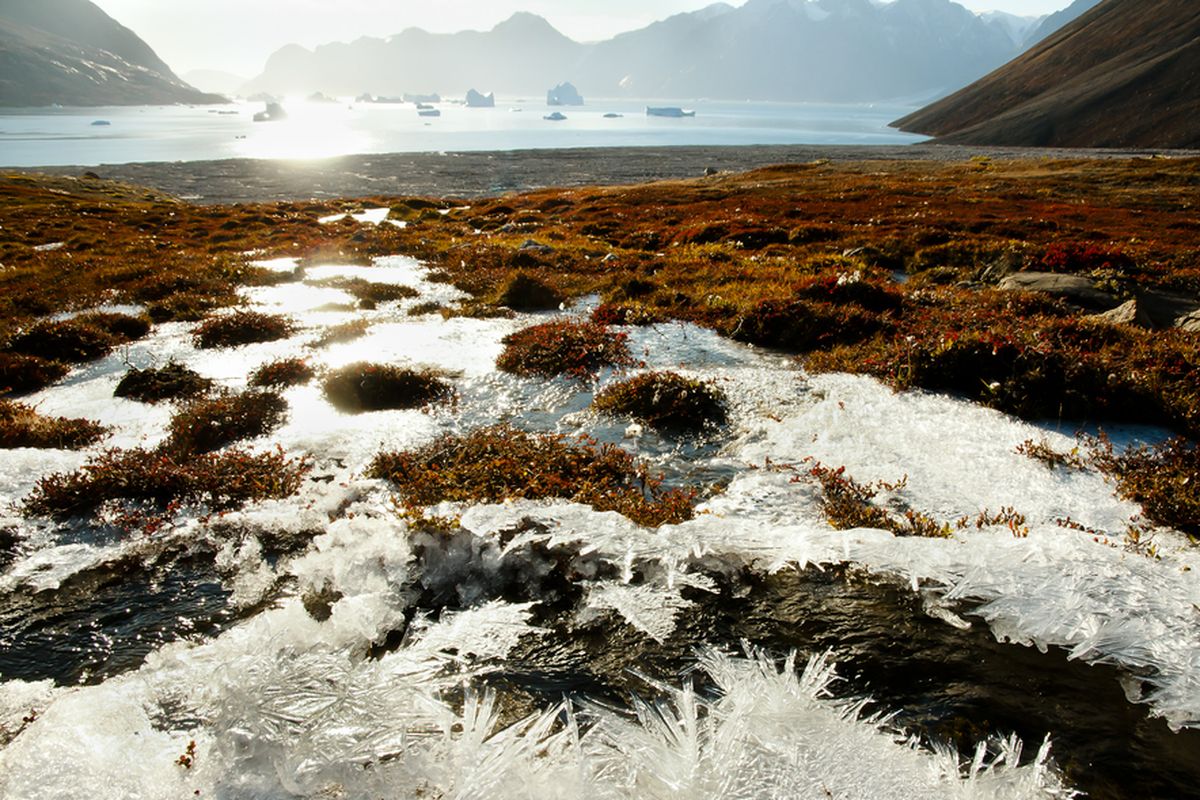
point(491, 173)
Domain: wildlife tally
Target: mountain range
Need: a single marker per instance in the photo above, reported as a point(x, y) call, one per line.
point(801, 50)
point(1124, 74)
point(69, 52)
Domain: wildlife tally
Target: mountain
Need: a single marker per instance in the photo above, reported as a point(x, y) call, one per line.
point(71, 53)
point(819, 50)
point(1018, 28)
point(1125, 74)
point(214, 80)
point(1058, 20)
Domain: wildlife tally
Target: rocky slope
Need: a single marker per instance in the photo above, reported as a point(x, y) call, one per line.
point(70, 52)
point(1125, 74)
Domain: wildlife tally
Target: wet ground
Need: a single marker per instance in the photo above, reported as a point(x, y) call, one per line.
point(471, 174)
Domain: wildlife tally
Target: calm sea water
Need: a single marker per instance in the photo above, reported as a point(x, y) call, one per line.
point(44, 136)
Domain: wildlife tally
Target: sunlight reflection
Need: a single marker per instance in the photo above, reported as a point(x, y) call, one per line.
point(311, 130)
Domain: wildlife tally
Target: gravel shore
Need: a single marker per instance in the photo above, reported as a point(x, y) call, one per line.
point(471, 174)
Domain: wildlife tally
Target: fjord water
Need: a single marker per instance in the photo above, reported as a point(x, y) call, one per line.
point(322, 647)
point(67, 136)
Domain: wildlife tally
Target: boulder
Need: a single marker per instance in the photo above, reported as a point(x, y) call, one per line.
point(564, 95)
point(1129, 313)
point(1169, 310)
point(477, 100)
point(1072, 288)
point(1189, 322)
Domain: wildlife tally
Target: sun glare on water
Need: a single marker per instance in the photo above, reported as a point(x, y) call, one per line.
point(311, 130)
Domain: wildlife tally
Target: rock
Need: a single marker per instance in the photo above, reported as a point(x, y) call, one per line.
point(564, 95)
point(1189, 322)
point(1005, 264)
point(1168, 310)
point(1129, 313)
point(477, 100)
point(1072, 288)
point(535, 246)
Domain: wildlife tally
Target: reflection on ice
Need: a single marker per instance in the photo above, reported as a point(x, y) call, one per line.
point(368, 216)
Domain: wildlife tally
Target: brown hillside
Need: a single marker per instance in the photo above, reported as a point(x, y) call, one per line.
point(1126, 74)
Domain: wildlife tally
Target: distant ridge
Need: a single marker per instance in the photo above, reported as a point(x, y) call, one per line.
point(1124, 74)
point(70, 52)
point(797, 50)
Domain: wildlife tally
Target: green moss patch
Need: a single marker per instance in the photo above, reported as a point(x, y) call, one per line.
point(159, 479)
point(154, 384)
point(211, 423)
point(500, 462)
point(376, 387)
point(665, 400)
point(23, 426)
point(282, 372)
point(242, 327)
point(564, 347)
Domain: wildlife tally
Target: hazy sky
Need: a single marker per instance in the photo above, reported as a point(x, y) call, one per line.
point(238, 35)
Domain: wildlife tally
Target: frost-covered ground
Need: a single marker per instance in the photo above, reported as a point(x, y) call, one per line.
point(289, 702)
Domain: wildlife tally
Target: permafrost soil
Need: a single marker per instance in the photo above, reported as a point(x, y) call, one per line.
point(319, 647)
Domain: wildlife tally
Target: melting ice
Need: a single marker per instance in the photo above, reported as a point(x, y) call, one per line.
point(292, 702)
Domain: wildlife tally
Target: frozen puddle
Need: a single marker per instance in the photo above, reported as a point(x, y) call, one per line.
point(369, 216)
point(319, 648)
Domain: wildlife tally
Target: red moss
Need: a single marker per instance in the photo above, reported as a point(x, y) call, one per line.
point(564, 347)
point(23, 426)
point(501, 462)
point(211, 423)
point(157, 478)
point(376, 387)
point(242, 327)
point(283, 372)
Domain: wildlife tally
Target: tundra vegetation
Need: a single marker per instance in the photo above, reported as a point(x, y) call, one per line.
point(923, 275)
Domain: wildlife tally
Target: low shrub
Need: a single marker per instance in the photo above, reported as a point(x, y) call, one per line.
point(154, 384)
point(70, 341)
point(124, 327)
point(627, 313)
point(428, 307)
point(500, 462)
point(282, 372)
point(564, 347)
point(376, 387)
point(1084, 258)
point(242, 327)
point(805, 325)
point(159, 478)
point(665, 400)
point(524, 292)
point(1053, 459)
point(345, 332)
point(23, 374)
point(183, 307)
point(1164, 478)
point(368, 293)
point(211, 423)
point(848, 504)
point(23, 426)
